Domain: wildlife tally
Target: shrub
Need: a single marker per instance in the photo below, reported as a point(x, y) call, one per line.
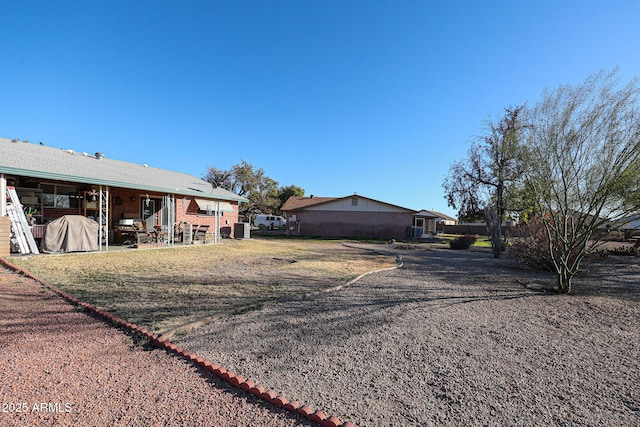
point(623, 251)
point(531, 247)
point(462, 242)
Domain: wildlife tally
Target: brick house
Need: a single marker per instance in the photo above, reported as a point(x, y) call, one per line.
point(53, 182)
point(350, 216)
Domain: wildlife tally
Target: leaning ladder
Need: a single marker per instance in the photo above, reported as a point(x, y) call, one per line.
point(19, 223)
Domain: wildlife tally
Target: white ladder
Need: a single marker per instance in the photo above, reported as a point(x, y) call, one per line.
point(19, 223)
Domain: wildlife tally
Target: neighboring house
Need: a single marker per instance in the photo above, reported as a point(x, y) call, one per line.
point(630, 225)
point(632, 222)
point(53, 182)
point(428, 223)
point(350, 216)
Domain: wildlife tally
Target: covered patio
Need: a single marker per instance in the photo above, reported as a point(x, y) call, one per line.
point(132, 203)
point(427, 224)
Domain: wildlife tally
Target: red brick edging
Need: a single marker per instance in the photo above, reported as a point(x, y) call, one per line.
point(229, 377)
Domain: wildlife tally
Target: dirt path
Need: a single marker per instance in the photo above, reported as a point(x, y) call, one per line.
point(59, 366)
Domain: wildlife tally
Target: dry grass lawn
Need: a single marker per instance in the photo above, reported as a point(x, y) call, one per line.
point(162, 289)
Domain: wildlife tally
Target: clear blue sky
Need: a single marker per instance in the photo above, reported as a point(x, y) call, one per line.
point(337, 97)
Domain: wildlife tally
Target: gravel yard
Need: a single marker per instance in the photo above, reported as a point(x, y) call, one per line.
point(451, 338)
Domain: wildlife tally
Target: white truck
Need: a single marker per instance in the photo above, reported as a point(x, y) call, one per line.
point(272, 221)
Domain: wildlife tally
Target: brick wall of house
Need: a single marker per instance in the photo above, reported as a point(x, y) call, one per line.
point(187, 210)
point(125, 203)
point(120, 203)
point(384, 225)
point(122, 206)
point(5, 236)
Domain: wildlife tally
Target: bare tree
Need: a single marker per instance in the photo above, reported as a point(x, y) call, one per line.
point(220, 178)
point(479, 184)
point(583, 157)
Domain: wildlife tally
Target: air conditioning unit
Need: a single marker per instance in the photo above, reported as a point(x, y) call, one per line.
point(241, 230)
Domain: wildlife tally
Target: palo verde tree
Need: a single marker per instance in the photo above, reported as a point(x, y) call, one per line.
point(479, 185)
point(583, 161)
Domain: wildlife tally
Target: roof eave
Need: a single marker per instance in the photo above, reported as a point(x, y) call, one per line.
point(120, 184)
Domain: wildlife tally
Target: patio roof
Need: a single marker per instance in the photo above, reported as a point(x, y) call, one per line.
point(434, 215)
point(23, 158)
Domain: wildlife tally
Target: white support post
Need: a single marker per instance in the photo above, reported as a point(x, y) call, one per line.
point(107, 208)
point(3, 195)
point(169, 216)
point(100, 229)
point(103, 218)
point(172, 223)
point(108, 217)
point(216, 238)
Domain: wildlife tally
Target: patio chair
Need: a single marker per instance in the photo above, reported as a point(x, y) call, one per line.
point(200, 232)
point(135, 233)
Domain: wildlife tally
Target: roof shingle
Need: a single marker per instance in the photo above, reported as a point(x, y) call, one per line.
point(34, 160)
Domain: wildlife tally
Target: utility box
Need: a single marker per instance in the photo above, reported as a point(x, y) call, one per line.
point(187, 234)
point(5, 236)
point(241, 230)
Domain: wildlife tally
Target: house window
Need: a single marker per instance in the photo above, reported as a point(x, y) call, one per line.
point(209, 207)
point(209, 211)
point(60, 196)
point(354, 201)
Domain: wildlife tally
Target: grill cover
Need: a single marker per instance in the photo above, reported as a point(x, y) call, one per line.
point(70, 233)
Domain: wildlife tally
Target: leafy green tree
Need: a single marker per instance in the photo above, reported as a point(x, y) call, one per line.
point(583, 165)
point(263, 192)
point(247, 180)
point(285, 192)
point(265, 195)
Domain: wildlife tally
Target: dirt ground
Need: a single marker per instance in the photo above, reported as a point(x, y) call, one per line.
point(451, 338)
point(162, 289)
